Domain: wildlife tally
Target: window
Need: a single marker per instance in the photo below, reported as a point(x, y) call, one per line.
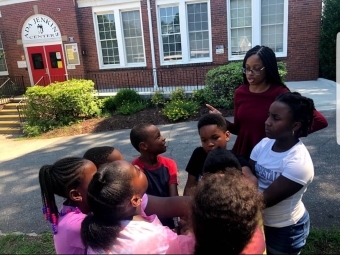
point(119, 36)
point(3, 65)
point(253, 23)
point(184, 32)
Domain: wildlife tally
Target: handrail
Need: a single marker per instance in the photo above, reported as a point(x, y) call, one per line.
point(4, 82)
point(21, 114)
point(42, 77)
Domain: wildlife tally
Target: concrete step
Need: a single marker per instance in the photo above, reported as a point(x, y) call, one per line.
point(10, 106)
point(13, 117)
point(10, 130)
point(9, 123)
point(16, 99)
point(9, 111)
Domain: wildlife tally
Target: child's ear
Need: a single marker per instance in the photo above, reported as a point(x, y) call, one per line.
point(143, 146)
point(296, 126)
point(74, 195)
point(136, 201)
point(227, 136)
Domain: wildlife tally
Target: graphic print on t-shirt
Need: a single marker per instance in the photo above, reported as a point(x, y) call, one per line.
point(267, 175)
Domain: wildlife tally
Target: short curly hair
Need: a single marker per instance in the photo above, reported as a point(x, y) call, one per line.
point(138, 134)
point(212, 119)
point(225, 213)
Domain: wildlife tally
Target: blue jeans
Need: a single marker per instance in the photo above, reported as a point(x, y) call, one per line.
point(288, 240)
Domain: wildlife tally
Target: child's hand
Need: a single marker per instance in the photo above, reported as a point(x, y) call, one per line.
point(249, 175)
point(184, 226)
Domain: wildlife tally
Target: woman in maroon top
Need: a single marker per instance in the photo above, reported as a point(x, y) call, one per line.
point(262, 84)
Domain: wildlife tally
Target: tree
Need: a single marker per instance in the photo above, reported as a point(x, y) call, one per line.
point(330, 26)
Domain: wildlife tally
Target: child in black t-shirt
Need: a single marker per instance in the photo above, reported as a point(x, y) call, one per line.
point(213, 132)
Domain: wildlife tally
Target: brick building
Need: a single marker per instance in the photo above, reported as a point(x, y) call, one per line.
point(148, 43)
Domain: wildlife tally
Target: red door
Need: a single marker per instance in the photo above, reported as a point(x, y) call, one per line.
point(47, 64)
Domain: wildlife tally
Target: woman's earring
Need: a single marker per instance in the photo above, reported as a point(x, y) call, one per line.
point(293, 133)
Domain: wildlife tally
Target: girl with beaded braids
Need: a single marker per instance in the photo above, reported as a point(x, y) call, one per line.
point(262, 84)
point(284, 170)
point(68, 178)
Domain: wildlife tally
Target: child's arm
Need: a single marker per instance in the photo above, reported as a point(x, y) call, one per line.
point(173, 191)
point(190, 185)
point(279, 190)
point(168, 207)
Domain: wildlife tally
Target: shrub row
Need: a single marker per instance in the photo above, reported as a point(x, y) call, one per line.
point(65, 103)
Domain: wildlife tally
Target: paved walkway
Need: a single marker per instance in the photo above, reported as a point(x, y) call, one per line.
point(20, 206)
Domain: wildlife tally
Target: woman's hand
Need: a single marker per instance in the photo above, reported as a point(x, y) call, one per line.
point(212, 109)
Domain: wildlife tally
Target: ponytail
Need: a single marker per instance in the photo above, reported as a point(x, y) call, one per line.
point(302, 109)
point(58, 179)
point(108, 193)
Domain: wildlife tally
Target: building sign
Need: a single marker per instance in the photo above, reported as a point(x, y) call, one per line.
point(40, 28)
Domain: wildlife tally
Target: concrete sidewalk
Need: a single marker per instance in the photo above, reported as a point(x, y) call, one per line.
point(20, 208)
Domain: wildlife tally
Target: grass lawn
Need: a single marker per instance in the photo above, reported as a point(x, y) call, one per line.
point(320, 241)
point(24, 244)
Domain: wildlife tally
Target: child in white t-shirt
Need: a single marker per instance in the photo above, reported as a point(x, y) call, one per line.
point(284, 170)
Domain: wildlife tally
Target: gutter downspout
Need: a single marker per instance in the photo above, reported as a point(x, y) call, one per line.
point(153, 59)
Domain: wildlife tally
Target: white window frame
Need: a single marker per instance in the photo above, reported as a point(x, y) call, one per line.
point(184, 31)
point(2, 73)
point(256, 29)
point(116, 10)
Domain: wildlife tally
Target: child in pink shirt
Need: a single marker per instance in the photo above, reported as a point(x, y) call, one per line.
point(117, 224)
point(69, 178)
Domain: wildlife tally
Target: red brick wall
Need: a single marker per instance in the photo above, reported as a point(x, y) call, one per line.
point(304, 18)
point(303, 43)
point(15, 15)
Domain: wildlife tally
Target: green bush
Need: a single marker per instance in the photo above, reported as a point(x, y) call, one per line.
point(157, 99)
point(177, 95)
point(108, 104)
point(131, 107)
point(221, 83)
point(126, 95)
point(330, 27)
point(282, 70)
point(198, 96)
point(59, 104)
point(176, 110)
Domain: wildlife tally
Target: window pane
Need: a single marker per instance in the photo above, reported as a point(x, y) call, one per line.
point(108, 39)
point(170, 29)
point(241, 24)
point(240, 41)
point(272, 24)
point(198, 30)
point(132, 30)
point(3, 66)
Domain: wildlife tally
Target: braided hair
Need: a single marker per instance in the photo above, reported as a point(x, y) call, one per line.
point(268, 59)
point(138, 134)
point(301, 108)
point(98, 155)
point(225, 213)
point(58, 179)
point(108, 193)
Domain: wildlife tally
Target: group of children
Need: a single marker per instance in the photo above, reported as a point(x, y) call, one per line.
point(113, 206)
